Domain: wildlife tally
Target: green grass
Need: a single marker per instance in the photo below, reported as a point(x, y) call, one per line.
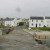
point(4, 27)
point(44, 29)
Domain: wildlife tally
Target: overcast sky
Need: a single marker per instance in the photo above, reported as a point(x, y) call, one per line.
point(8, 8)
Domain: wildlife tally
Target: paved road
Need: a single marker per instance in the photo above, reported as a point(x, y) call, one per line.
point(20, 40)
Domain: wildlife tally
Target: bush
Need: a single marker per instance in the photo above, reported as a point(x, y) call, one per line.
point(21, 23)
point(44, 26)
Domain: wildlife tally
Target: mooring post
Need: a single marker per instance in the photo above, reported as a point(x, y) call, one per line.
point(39, 37)
point(45, 40)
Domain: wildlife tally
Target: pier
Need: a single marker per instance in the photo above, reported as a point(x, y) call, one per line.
point(42, 37)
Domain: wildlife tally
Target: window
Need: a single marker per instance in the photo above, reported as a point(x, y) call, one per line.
point(32, 20)
point(36, 20)
point(6, 22)
point(14, 22)
point(41, 20)
point(32, 24)
point(47, 21)
point(47, 24)
point(39, 24)
point(18, 18)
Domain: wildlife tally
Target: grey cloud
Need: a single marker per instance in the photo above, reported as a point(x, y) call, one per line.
point(28, 8)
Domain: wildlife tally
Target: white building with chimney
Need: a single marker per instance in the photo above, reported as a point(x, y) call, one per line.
point(39, 21)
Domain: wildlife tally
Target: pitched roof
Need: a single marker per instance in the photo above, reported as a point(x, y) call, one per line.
point(37, 18)
point(47, 17)
point(10, 19)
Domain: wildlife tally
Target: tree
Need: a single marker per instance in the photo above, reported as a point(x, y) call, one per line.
point(7, 17)
point(21, 23)
point(44, 26)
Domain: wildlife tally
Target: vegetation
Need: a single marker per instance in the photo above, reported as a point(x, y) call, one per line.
point(4, 27)
point(7, 17)
point(44, 29)
point(44, 26)
point(21, 23)
point(27, 25)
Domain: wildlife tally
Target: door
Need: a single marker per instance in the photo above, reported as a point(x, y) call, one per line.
point(36, 25)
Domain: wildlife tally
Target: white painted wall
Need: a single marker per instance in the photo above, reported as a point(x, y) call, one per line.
point(45, 22)
point(19, 20)
point(7, 23)
point(13, 22)
point(34, 23)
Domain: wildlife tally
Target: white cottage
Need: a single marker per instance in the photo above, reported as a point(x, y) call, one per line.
point(47, 21)
point(39, 21)
point(12, 21)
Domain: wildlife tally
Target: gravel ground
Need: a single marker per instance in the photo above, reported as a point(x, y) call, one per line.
point(20, 40)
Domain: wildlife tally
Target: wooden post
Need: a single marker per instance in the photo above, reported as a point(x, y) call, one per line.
point(45, 37)
point(39, 37)
point(45, 40)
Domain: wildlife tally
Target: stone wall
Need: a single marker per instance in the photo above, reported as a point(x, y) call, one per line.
point(4, 31)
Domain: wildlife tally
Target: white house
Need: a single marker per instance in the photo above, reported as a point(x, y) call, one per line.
point(12, 21)
point(39, 21)
point(47, 21)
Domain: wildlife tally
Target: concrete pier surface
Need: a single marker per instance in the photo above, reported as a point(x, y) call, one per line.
point(20, 40)
point(40, 36)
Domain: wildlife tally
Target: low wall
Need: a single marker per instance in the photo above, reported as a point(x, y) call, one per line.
point(5, 31)
point(28, 31)
point(0, 32)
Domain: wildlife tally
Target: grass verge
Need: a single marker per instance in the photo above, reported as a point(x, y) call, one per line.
point(44, 29)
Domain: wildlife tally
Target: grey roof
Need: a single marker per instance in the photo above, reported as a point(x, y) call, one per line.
point(18, 18)
point(37, 18)
point(1, 19)
point(47, 17)
point(10, 19)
